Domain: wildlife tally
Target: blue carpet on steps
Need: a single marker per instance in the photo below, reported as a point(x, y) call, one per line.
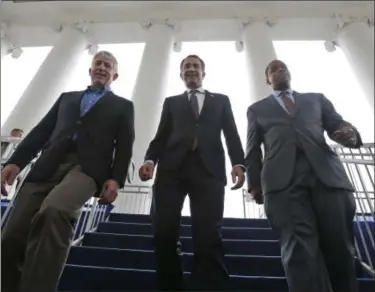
point(119, 257)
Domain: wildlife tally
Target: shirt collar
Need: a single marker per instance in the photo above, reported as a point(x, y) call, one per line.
point(96, 90)
point(200, 89)
point(277, 93)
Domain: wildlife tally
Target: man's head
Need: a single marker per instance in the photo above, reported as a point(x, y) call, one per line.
point(278, 75)
point(192, 71)
point(16, 133)
point(103, 69)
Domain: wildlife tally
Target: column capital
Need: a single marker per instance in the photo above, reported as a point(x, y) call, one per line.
point(343, 21)
point(83, 27)
point(7, 43)
point(246, 22)
point(167, 23)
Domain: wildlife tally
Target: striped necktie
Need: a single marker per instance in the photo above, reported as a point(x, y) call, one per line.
point(194, 103)
point(288, 102)
point(195, 106)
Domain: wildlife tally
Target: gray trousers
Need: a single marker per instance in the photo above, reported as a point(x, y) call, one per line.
point(315, 228)
point(37, 237)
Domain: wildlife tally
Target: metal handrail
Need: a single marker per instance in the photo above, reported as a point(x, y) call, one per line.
point(92, 212)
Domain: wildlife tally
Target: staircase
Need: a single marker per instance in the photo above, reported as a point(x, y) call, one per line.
point(119, 257)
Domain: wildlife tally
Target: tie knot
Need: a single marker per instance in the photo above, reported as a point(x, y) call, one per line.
point(194, 91)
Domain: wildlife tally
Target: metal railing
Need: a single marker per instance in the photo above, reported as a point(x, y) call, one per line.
point(92, 212)
point(359, 165)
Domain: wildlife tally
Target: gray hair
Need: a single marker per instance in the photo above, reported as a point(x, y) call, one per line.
point(108, 55)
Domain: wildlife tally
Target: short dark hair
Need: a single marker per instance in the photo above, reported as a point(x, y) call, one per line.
point(203, 65)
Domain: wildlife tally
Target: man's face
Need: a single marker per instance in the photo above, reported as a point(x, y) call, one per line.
point(192, 73)
point(278, 75)
point(102, 71)
point(17, 134)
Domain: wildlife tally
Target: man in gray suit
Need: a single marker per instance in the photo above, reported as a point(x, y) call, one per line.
point(307, 195)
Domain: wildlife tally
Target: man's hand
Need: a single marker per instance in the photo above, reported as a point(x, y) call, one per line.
point(146, 171)
point(238, 177)
point(257, 195)
point(8, 175)
point(109, 192)
point(346, 136)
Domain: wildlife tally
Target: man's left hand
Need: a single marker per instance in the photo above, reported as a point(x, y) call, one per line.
point(346, 136)
point(109, 192)
point(238, 177)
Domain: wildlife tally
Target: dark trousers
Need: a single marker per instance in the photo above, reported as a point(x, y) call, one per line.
point(206, 195)
point(315, 227)
point(36, 240)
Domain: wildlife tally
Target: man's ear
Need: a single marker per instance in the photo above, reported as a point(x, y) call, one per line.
point(268, 82)
point(203, 75)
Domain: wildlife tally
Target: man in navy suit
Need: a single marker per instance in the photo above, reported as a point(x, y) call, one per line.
point(308, 198)
point(86, 140)
point(188, 150)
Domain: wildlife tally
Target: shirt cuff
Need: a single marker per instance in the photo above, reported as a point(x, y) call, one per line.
point(240, 165)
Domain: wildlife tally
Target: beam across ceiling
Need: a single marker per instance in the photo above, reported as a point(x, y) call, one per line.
point(40, 13)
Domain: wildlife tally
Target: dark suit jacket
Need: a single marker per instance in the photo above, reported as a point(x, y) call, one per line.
point(280, 134)
point(105, 136)
point(178, 127)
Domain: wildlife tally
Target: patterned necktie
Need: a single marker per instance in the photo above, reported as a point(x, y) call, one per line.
point(194, 103)
point(195, 106)
point(288, 102)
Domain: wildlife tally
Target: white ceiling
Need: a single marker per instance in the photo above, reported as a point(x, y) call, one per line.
point(56, 12)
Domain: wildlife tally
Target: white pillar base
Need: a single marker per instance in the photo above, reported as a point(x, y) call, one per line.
point(48, 83)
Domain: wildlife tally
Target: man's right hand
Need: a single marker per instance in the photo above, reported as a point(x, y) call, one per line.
point(257, 195)
point(146, 171)
point(8, 175)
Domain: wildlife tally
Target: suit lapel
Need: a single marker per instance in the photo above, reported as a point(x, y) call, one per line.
point(102, 101)
point(276, 104)
point(207, 104)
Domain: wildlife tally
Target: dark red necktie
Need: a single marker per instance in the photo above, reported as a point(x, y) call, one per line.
point(288, 102)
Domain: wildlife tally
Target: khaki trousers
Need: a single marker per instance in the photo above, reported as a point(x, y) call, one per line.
point(36, 239)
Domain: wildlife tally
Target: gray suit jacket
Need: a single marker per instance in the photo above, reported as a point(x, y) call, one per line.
point(269, 124)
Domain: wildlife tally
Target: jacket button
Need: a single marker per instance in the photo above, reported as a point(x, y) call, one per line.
point(79, 122)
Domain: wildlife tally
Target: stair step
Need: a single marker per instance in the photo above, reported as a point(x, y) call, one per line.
point(249, 265)
point(95, 279)
point(129, 241)
point(145, 259)
point(260, 233)
point(185, 220)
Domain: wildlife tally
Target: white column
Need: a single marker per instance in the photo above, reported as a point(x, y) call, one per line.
point(150, 88)
point(259, 52)
point(356, 40)
point(50, 80)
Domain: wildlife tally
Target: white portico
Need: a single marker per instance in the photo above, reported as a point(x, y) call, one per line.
point(71, 26)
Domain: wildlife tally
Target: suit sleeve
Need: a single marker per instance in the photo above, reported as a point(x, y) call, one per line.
point(34, 142)
point(233, 141)
point(254, 154)
point(333, 121)
point(124, 145)
point(157, 145)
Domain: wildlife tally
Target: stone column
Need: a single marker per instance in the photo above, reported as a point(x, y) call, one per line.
point(50, 80)
point(259, 52)
point(150, 89)
point(356, 39)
